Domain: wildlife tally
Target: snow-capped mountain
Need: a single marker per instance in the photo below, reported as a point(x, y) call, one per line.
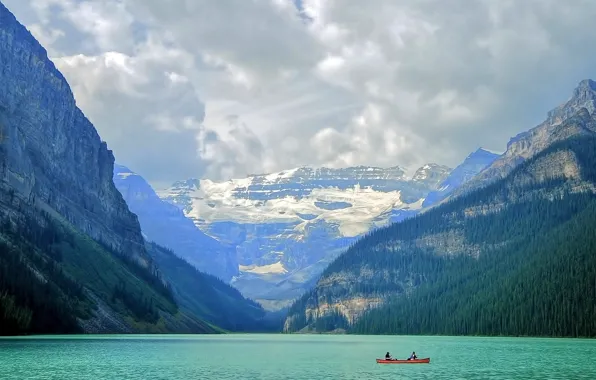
point(287, 226)
point(167, 225)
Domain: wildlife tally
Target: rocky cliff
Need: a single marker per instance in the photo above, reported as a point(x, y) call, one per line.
point(529, 143)
point(52, 157)
point(72, 256)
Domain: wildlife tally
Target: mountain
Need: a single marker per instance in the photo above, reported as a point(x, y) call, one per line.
point(466, 171)
point(529, 143)
point(515, 257)
point(72, 254)
point(287, 226)
point(167, 226)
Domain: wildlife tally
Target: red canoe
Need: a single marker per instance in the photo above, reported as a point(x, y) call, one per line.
point(399, 361)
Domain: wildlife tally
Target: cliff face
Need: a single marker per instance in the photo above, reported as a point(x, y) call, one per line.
point(51, 155)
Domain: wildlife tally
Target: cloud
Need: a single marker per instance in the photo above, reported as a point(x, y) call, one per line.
point(257, 86)
point(148, 113)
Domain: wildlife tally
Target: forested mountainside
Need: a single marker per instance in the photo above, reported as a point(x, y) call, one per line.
point(72, 255)
point(514, 258)
point(55, 279)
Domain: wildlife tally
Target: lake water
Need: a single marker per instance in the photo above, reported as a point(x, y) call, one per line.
point(308, 357)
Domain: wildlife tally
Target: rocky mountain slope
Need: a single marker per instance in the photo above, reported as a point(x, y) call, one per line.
point(404, 268)
point(167, 225)
point(72, 255)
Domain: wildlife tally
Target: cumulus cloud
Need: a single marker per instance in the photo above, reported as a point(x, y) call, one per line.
point(225, 88)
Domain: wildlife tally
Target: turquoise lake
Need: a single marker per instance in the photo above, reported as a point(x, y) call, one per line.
point(177, 357)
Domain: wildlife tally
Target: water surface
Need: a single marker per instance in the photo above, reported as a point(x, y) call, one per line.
point(299, 357)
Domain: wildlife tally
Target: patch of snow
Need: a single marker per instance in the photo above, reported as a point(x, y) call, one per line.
point(125, 175)
point(416, 205)
point(274, 177)
point(275, 268)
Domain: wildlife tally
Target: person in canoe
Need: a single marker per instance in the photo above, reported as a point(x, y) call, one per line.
point(388, 356)
point(413, 356)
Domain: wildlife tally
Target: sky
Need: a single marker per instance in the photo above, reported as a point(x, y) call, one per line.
point(220, 89)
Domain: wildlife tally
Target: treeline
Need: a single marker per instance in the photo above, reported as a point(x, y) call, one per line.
point(36, 297)
point(46, 269)
point(152, 278)
point(141, 307)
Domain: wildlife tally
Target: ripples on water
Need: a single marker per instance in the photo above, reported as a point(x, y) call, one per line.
point(297, 357)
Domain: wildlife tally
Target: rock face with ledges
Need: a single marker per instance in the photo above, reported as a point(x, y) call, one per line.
point(51, 155)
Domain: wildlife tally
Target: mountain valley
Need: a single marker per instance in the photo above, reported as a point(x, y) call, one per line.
point(501, 245)
point(286, 227)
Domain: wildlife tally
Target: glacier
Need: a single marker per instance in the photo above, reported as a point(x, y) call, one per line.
point(287, 226)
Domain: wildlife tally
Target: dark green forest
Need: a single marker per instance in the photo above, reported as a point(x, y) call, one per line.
point(534, 272)
point(544, 285)
point(46, 269)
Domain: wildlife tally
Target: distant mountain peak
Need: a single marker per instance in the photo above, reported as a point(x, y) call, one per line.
point(483, 150)
point(585, 85)
point(190, 184)
point(432, 171)
point(584, 96)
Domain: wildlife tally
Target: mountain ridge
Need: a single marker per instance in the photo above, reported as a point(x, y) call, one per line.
point(527, 143)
